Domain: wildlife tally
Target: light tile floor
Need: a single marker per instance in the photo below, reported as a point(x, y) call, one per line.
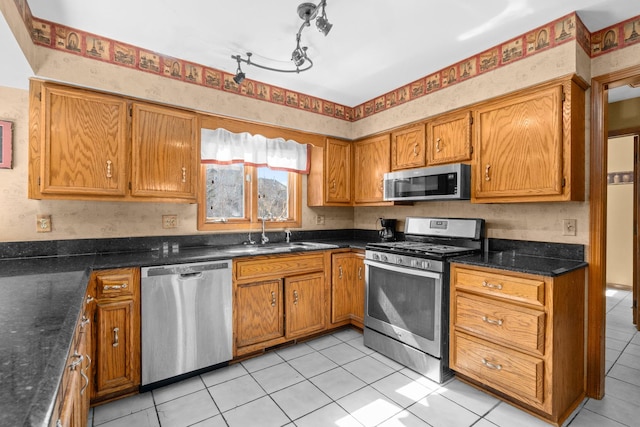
point(336, 381)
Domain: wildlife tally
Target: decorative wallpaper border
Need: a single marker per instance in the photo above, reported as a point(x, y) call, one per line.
point(549, 36)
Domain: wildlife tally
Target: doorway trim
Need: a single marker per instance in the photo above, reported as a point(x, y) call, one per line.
point(598, 225)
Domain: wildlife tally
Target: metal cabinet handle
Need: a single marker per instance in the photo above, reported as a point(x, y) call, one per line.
point(382, 184)
point(333, 184)
point(184, 174)
point(490, 365)
point(415, 150)
point(497, 322)
point(295, 297)
point(438, 145)
point(486, 172)
point(79, 358)
point(340, 272)
point(89, 299)
point(86, 382)
point(497, 286)
point(85, 321)
point(116, 339)
point(109, 169)
point(114, 287)
point(273, 299)
point(360, 273)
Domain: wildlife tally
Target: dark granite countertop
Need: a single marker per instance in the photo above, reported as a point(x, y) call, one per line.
point(513, 260)
point(40, 301)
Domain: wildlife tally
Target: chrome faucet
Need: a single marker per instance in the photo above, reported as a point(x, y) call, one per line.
point(264, 239)
point(287, 234)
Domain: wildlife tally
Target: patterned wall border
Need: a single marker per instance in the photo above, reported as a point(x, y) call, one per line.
point(549, 36)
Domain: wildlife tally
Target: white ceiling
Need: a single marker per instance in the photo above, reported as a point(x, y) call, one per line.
point(375, 46)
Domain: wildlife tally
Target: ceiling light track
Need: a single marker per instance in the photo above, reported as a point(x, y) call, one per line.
point(301, 61)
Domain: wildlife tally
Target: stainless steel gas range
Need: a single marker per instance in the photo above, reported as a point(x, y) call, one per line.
point(407, 292)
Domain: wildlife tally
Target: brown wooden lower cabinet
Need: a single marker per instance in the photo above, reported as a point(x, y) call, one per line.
point(520, 337)
point(347, 288)
point(116, 332)
point(278, 299)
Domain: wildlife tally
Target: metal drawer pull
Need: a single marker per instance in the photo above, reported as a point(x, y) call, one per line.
point(114, 287)
point(184, 174)
point(497, 286)
point(490, 365)
point(79, 358)
point(438, 145)
point(273, 299)
point(415, 150)
point(89, 299)
point(486, 173)
point(339, 272)
point(116, 339)
point(492, 321)
point(360, 273)
point(109, 169)
point(295, 297)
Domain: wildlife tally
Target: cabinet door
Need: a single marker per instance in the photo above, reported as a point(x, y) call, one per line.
point(259, 312)
point(338, 171)
point(371, 162)
point(341, 286)
point(117, 341)
point(357, 296)
point(449, 139)
point(305, 304)
point(407, 148)
point(164, 153)
point(520, 144)
point(84, 143)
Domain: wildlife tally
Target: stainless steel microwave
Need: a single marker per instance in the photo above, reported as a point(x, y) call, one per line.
point(446, 182)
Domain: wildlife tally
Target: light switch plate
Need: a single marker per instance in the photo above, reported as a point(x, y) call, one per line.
point(569, 227)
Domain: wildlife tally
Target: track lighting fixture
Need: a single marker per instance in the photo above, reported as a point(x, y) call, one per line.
point(307, 12)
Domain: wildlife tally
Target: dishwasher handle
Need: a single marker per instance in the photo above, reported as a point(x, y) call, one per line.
point(190, 276)
point(185, 271)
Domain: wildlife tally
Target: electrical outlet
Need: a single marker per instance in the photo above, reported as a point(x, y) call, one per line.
point(43, 223)
point(319, 219)
point(169, 221)
point(569, 227)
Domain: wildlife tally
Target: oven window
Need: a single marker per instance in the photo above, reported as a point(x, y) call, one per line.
point(403, 300)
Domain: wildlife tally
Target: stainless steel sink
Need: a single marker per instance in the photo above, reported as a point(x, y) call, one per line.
point(277, 248)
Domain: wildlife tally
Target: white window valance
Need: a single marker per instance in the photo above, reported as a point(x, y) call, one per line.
point(219, 146)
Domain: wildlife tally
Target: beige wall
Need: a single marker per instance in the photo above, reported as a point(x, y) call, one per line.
point(74, 219)
point(624, 115)
point(620, 214)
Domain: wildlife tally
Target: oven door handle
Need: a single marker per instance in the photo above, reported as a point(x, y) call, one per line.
point(403, 269)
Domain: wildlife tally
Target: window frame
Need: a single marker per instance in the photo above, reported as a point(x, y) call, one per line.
point(251, 220)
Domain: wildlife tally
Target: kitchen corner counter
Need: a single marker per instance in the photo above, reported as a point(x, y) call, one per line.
point(522, 263)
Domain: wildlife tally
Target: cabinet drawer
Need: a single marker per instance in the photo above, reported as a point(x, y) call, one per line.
point(278, 266)
point(116, 283)
point(504, 323)
point(503, 369)
point(513, 288)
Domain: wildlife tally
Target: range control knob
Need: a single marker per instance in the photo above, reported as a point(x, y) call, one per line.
point(399, 260)
point(384, 258)
point(426, 265)
point(376, 257)
point(414, 263)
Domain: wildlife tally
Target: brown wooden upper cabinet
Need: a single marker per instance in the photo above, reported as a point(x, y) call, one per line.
point(449, 138)
point(370, 163)
point(93, 146)
point(329, 181)
point(408, 148)
point(530, 145)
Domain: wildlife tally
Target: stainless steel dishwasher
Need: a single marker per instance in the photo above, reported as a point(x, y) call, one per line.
point(186, 320)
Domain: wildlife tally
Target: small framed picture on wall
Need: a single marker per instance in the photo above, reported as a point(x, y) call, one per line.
point(6, 129)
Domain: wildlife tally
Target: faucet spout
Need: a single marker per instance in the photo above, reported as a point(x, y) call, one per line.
point(264, 239)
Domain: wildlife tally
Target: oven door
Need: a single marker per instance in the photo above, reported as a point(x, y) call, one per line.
point(405, 304)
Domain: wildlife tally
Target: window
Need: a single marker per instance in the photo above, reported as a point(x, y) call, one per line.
point(239, 196)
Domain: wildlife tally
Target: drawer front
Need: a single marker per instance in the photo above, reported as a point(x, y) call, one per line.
point(508, 324)
point(498, 285)
point(508, 371)
point(114, 284)
point(278, 266)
